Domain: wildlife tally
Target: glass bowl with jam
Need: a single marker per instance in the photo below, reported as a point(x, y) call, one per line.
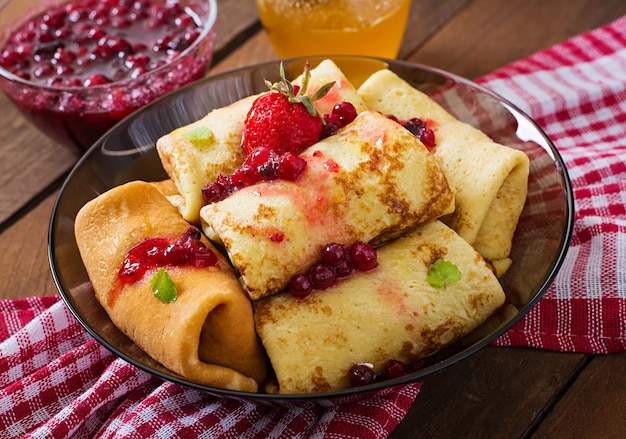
point(75, 68)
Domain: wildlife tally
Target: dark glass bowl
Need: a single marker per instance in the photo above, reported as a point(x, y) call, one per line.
point(127, 152)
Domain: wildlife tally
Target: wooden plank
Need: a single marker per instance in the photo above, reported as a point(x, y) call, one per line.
point(24, 255)
point(594, 406)
point(487, 34)
point(495, 393)
point(255, 50)
point(29, 161)
point(236, 21)
point(425, 19)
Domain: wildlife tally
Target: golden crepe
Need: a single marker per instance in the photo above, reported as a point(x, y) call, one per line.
point(196, 154)
point(343, 90)
point(391, 312)
point(370, 182)
point(207, 335)
point(489, 180)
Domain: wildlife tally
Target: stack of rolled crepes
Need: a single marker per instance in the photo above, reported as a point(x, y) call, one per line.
point(374, 182)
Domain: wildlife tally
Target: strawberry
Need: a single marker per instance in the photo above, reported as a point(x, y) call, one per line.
point(285, 119)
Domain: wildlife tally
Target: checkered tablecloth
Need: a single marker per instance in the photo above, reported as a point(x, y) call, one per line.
point(576, 91)
point(57, 382)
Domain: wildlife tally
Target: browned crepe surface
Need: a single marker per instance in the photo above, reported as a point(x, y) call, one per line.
point(391, 312)
point(370, 182)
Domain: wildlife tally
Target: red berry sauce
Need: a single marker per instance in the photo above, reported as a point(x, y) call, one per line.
point(94, 43)
point(160, 252)
point(262, 164)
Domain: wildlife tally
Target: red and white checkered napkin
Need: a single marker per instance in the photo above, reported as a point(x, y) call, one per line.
point(57, 382)
point(576, 91)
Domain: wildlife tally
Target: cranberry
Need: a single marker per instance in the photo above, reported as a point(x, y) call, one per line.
point(131, 271)
point(191, 233)
point(53, 19)
point(361, 374)
point(178, 254)
point(269, 169)
point(301, 285)
point(419, 128)
point(337, 263)
point(395, 369)
point(363, 256)
point(334, 254)
point(258, 156)
point(140, 257)
point(428, 138)
point(344, 269)
point(245, 175)
point(341, 115)
point(136, 60)
point(63, 56)
point(322, 276)
point(330, 127)
point(290, 166)
point(109, 30)
point(96, 79)
point(344, 113)
point(43, 71)
point(217, 190)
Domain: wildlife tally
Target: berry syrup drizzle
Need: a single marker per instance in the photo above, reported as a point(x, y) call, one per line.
point(160, 252)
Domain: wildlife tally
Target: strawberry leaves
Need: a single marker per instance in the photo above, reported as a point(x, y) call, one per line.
point(299, 96)
point(285, 119)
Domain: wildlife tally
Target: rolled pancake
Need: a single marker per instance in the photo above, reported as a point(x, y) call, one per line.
point(207, 335)
point(191, 163)
point(342, 91)
point(391, 312)
point(370, 182)
point(490, 180)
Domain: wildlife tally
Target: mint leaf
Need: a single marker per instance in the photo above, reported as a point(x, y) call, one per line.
point(443, 272)
point(199, 135)
point(163, 286)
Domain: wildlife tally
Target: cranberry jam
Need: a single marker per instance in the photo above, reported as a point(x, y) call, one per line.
point(160, 252)
point(86, 64)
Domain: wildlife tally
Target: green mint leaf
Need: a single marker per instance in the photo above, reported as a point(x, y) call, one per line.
point(163, 286)
point(443, 272)
point(199, 135)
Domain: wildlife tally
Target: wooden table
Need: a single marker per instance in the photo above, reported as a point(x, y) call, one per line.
point(498, 392)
